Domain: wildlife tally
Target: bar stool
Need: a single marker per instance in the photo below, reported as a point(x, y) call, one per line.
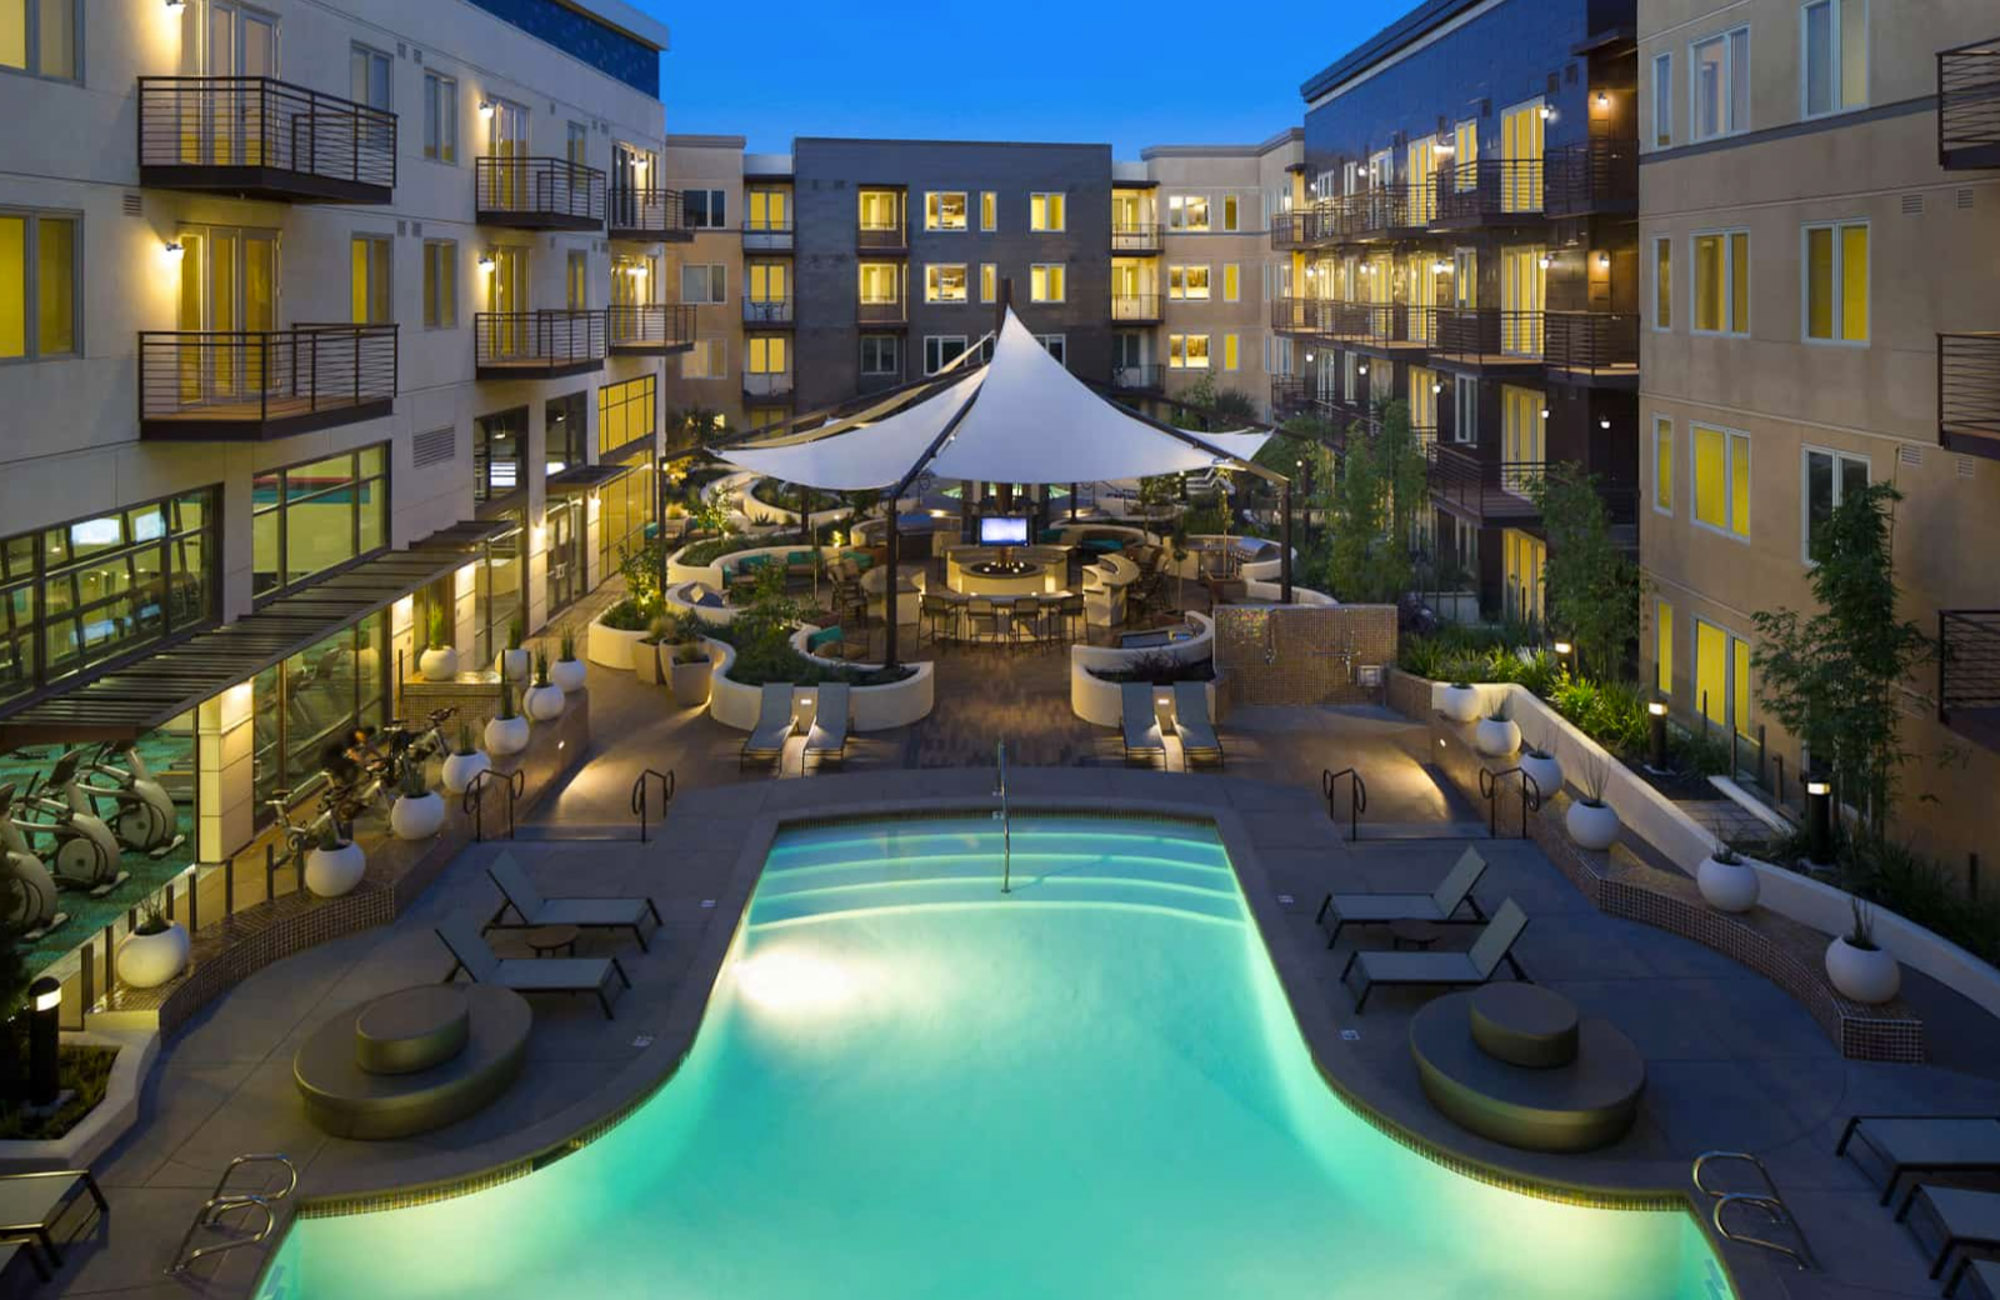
point(1070, 610)
point(937, 611)
point(981, 619)
point(1025, 627)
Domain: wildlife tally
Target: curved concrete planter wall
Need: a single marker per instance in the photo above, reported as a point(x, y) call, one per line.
point(1273, 591)
point(876, 708)
point(677, 602)
point(610, 647)
point(1098, 702)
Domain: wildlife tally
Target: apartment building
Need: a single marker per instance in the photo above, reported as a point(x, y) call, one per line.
point(1820, 220)
point(314, 318)
point(1463, 238)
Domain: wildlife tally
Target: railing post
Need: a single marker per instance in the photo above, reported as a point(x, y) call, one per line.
point(229, 887)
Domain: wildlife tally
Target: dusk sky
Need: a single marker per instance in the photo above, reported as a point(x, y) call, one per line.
point(1128, 74)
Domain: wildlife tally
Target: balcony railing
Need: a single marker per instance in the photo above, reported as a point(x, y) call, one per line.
point(1969, 673)
point(1591, 342)
point(656, 328)
point(1486, 489)
point(1299, 315)
point(767, 386)
point(645, 214)
point(1290, 396)
point(1488, 335)
point(882, 239)
point(1968, 80)
point(1136, 237)
point(263, 139)
point(768, 312)
point(539, 194)
point(1135, 306)
point(1594, 176)
point(881, 313)
point(255, 384)
point(1384, 210)
point(1489, 190)
point(768, 236)
point(550, 342)
point(1138, 379)
point(1968, 384)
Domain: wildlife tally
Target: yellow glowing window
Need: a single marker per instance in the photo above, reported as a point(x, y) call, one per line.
point(1739, 681)
point(944, 283)
point(1722, 479)
point(1722, 283)
point(1047, 282)
point(1424, 386)
point(769, 210)
point(1663, 649)
point(766, 356)
point(1836, 258)
point(370, 275)
point(1231, 212)
point(989, 210)
point(989, 282)
point(1230, 349)
point(1711, 672)
point(1187, 351)
point(878, 210)
point(767, 282)
point(879, 282)
point(1188, 212)
point(944, 210)
point(1465, 154)
point(1663, 283)
point(1232, 276)
point(1046, 212)
point(1188, 282)
point(13, 284)
point(1663, 465)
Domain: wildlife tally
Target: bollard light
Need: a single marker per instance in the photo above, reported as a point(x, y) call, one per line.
point(1656, 737)
point(44, 1039)
point(1819, 819)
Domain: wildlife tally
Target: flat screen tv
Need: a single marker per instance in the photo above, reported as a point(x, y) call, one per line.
point(1003, 530)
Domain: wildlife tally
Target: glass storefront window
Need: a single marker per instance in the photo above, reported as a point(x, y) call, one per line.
point(564, 432)
point(498, 584)
point(499, 444)
point(624, 509)
point(626, 412)
point(312, 701)
point(309, 518)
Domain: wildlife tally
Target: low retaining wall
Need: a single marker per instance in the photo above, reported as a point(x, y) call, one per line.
point(1273, 592)
point(107, 1121)
point(610, 647)
point(1099, 702)
point(676, 599)
point(876, 708)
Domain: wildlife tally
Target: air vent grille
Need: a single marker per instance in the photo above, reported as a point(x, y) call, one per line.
point(134, 206)
point(1910, 454)
point(433, 448)
point(1913, 205)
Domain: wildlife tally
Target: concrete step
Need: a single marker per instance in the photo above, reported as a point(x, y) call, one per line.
point(1420, 831)
point(550, 832)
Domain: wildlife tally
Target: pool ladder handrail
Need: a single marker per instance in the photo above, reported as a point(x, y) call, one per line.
point(221, 1202)
point(1006, 821)
point(1769, 1201)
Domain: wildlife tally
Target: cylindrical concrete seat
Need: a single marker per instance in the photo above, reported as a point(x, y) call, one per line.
point(412, 1029)
point(1523, 1024)
point(348, 1101)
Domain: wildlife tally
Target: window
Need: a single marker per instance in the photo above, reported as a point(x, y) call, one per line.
point(940, 350)
point(1826, 478)
point(1833, 61)
point(1056, 345)
point(1232, 286)
point(1046, 212)
point(499, 450)
point(989, 282)
point(440, 118)
point(1465, 154)
point(1232, 212)
point(1722, 676)
point(309, 518)
point(564, 430)
point(767, 210)
point(39, 271)
point(1231, 348)
point(880, 282)
point(1047, 282)
point(1722, 480)
point(625, 507)
point(317, 695)
point(1526, 558)
point(944, 210)
point(878, 210)
point(880, 355)
point(576, 285)
point(704, 209)
point(578, 144)
point(440, 284)
point(1187, 282)
point(368, 77)
point(1663, 100)
point(708, 359)
point(1663, 282)
point(1523, 438)
point(1663, 464)
point(1663, 649)
point(1719, 91)
point(944, 282)
point(1425, 386)
point(1464, 410)
point(1836, 282)
point(39, 37)
point(372, 301)
point(1722, 282)
point(1187, 212)
point(626, 412)
point(1187, 351)
point(765, 355)
point(989, 210)
point(702, 283)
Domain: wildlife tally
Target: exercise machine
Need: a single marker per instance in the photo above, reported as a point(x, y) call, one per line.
point(83, 853)
point(143, 816)
point(28, 908)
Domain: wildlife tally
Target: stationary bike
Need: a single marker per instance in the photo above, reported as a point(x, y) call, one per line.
point(27, 891)
point(83, 852)
point(144, 817)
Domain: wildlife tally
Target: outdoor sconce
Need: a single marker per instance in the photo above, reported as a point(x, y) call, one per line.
point(1604, 261)
point(1547, 113)
point(485, 109)
point(1443, 148)
point(1309, 357)
point(1656, 735)
point(1603, 100)
point(1545, 412)
point(1437, 388)
point(1361, 370)
point(1441, 266)
point(174, 249)
point(1819, 819)
point(486, 262)
point(1604, 424)
point(1545, 260)
point(44, 1036)
point(175, 6)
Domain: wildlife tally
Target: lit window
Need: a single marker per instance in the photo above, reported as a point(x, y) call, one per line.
point(880, 283)
point(1722, 283)
point(1825, 479)
point(1663, 649)
point(1719, 69)
point(1836, 270)
point(1464, 410)
point(578, 280)
point(878, 210)
point(764, 355)
point(309, 518)
point(440, 118)
point(1047, 212)
point(1187, 212)
point(1047, 282)
point(1232, 276)
point(707, 359)
point(1187, 282)
point(38, 285)
point(1834, 57)
point(1663, 100)
point(768, 211)
point(626, 412)
point(1232, 210)
point(989, 210)
point(1663, 283)
point(944, 210)
point(989, 282)
point(1722, 480)
point(1722, 676)
point(944, 283)
point(1230, 350)
point(440, 284)
point(1187, 351)
point(39, 37)
point(1465, 155)
point(372, 302)
point(1663, 465)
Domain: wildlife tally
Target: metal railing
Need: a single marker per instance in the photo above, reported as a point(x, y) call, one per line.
point(650, 325)
point(514, 783)
point(1135, 237)
point(768, 385)
point(1385, 208)
point(259, 375)
point(868, 238)
point(1591, 176)
point(539, 188)
point(881, 313)
point(551, 337)
point(1489, 189)
point(1491, 489)
point(1145, 377)
point(1968, 661)
point(1968, 387)
point(1968, 82)
point(1004, 814)
point(1768, 1201)
point(1293, 230)
point(645, 212)
point(1295, 315)
point(1357, 797)
point(259, 122)
point(1290, 395)
point(1135, 306)
point(1590, 340)
point(222, 1201)
point(770, 311)
point(1489, 790)
point(1474, 332)
point(641, 789)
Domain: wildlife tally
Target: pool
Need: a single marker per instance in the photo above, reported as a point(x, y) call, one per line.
point(908, 1084)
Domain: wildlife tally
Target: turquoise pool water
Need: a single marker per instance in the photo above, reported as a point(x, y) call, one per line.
point(908, 1085)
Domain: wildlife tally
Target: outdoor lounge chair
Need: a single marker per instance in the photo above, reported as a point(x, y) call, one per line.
point(32, 1203)
point(766, 741)
point(827, 739)
point(518, 895)
point(1197, 733)
point(1444, 969)
point(1440, 906)
point(471, 954)
point(1141, 722)
point(1952, 1220)
point(1888, 1147)
point(1974, 1279)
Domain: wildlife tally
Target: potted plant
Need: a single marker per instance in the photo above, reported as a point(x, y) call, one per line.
point(1497, 734)
point(418, 812)
point(544, 700)
point(1860, 970)
point(690, 675)
point(439, 662)
point(464, 764)
point(1459, 702)
point(507, 732)
point(568, 672)
point(1591, 822)
point(1544, 767)
point(646, 651)
point(155, 951)
point(513, 665)
point(336, 864)
point(1727, 882)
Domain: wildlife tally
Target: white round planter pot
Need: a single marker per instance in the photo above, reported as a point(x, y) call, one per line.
point(461, 770)
point(146, 961)
point(1727, 886)
point(438, 665)
point(1459, 703)
point(1867, 975)
point(333, 872)
point(1592, 826)
point(1496, 737)
point(1546, 771)
point(568, 675)
point(417, 817)
point(506, 735)
point(543, 703)
point(514, 665)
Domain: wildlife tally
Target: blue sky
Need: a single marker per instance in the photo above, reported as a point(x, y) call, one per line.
point(1127, 72)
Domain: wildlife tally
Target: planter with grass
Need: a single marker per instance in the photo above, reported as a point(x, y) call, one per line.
point(513, 664)
point(1497, 734)
point(690, 675)
point(507, 732)
point(568, 672)
point(544, 700)
point(336, 864)
point(646, 651)
point(1591, 821)
point(1459, 702)
point(418, 812)
point(439, 661)
point(155, 952)
point(1727, 882)
point(1544, 768)
point(613, 635)
point(464, 764)
point(1860, 969)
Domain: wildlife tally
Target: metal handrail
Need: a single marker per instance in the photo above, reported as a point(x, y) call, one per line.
point(220, 1202)
point(1357, 797)
point(668, 783)
point(515, 783)
point(649, 324)
point(300, 369)
point(1489, 790)
point(260, 122)
point(1005, 815)
point(546, 187)
point(1769, 1200)
point(645, 210)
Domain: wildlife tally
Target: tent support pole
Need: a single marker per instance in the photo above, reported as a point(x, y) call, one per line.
point(1072, 503)
point(889, 587)
point(1285, 546)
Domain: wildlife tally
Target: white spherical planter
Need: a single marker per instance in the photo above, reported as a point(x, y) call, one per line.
point(543, 703)
point(514, 665)
point(1496, 737)
point(1727, 886)
point(461, 770)
point(506, 735)
point(417, 817)
point(1591, 826)
point(1867, 975)
point(1459, 703)
point(146, 961)
point(333, 872)
point(568, 675)
point(1546, 771)
point(438, 665)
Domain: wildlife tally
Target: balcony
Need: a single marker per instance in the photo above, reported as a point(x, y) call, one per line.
point(769, 314)
point(1300, 315)
point(1489, 192)
point(250, 385)
point(1384, 212)
point(1135, 308)
point(768, 237)
point(1139, 379)
point(1968, 80)
point(1488, 338)
point(1593, 348)
point(1592, 177)
point(882, 315)
point(1968, 381)
point(882, 241)
point(1484, 490)
point(544, 344)
point(650, 329)
point(1387, 326)
point(645, 215)
point(1969, 673)
point(1290, 396)
point(1135, 239)
point(1292, 230)
point(252, 137)
point(539, 194)
point(768, 388)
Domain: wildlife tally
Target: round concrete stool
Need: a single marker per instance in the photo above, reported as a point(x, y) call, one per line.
point(1524, 1025)
point(348, 1101)
point(412, 1029)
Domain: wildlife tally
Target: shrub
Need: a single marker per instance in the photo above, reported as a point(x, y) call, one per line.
point(1158, 669)
point(625, 616)
point(708, 552)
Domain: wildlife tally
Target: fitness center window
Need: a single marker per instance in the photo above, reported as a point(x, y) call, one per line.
point(309, 518)
point(498, 444)
point(312, 700)
point(624, 513)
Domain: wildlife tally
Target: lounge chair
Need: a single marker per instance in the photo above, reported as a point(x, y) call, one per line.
point(1887, 1147)
point(766, 741)
point(1440, 906)
point(519, 896)
point(1952, 1220)
point(827, 739)
point(31, 1203)
point(1197, 733)
point(470, 953)
point(1141, 722)
point(1444, 969)
point(1974, 1279)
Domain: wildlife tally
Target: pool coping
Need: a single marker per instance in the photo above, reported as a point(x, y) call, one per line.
point(1656, 1185)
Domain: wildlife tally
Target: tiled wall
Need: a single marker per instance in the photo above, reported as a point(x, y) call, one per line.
point(1304, 655)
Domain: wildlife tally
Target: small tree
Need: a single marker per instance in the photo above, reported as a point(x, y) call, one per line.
point(1833, 678)
point(1589, 586)
point(1372, 508)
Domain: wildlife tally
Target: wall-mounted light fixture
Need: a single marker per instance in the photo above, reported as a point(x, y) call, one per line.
point(174, 249)
point(175, 6)
point(1437, 388)
point(1361, 370)
point(1547, 112)
point(1545, 259)
point(1545, 412)
point(1604, 261)
point(1603, 100)
point(486, 262)
point(1604, 423)
point(485, 109)
point(1441, 266)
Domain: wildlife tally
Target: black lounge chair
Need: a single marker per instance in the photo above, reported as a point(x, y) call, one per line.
point(31, 1203)
point(1887, 1147)
point(518, 895)
point(1444, 969)
point(1439, 907)
point(470, 953)
point(1952, 1220)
